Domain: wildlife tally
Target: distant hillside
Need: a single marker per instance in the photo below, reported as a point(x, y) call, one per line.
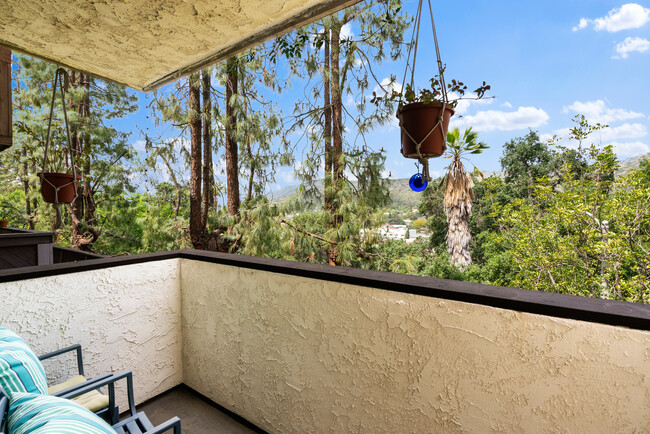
point(400, 193)
point(631, 163)
point(403, 197)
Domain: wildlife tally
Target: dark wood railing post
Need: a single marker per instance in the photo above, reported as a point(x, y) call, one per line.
point(5, 98)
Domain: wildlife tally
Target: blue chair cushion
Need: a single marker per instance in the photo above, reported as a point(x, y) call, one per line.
point(44, 414)
point(20, 369)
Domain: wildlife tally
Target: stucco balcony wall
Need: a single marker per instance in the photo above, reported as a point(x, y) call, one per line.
point(125, 318)
point(304, 348)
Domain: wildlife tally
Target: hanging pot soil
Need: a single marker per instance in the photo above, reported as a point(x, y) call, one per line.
point(58, 187)
point(417, 120)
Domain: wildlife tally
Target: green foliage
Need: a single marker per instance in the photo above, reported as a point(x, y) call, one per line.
point(431, 95)
point(584, 234)
point(419, 223)
point(525, 160)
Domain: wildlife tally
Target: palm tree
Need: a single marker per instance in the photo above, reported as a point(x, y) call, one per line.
point(459, 194)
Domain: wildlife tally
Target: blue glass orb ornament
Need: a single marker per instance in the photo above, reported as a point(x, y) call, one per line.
point(417, 182)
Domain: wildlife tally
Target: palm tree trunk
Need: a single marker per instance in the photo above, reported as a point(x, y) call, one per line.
point(458, 209)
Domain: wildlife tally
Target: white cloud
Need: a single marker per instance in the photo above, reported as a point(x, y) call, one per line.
point(629, 16)
point(623, 132)
point(608, 136)
point(468, 100)
point(387, 85)
point(597, 111)
point(496, 120)
point(581, 25)
point(346, 31)
point(545, 137)
point(506, 104)
point(630, 45)
point(287, 176)
point(139, 145)
point(629, 149)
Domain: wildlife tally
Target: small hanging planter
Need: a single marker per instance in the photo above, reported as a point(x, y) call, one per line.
point(424, 115)
point(418, 121)
point(59, 187)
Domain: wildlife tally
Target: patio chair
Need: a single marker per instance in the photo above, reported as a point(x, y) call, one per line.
point(94, 400)
point(136, 422)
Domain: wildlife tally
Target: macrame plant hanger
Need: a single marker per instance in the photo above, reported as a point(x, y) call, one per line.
point(53, 181)
point(443, 87)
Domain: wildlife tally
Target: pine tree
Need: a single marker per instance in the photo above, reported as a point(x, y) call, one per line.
point(342, 64)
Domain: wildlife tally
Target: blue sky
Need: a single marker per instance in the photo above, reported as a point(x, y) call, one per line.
point(546, 62)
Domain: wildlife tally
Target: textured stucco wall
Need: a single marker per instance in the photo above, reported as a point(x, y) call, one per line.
point(125, 318)
point(300, 355)
point(137, 42)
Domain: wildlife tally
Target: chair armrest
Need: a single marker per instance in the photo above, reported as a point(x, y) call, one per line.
point(110, 383)
point(76, 347)
point(174, 424)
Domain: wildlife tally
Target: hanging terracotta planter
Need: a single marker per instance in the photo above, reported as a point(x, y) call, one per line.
point(424, 113)
point(419, 122)
point(59, 187)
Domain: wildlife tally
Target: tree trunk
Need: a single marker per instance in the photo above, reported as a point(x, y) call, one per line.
point(195, 160)
point(207, 149)
point(88, 194)
point(232, 164)
point(327, 128)
point(337, 109)
point(82, 210)
point(28, 207)
point(23, 153)
point(337, 134)
point(458, 209)
point(251, 176)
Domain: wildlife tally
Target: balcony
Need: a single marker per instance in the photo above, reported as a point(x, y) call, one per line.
point(295, 347)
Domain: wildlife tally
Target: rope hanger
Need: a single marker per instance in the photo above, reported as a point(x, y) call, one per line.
point(60, 79)
point(415, 38)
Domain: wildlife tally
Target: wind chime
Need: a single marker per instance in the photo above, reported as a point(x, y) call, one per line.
point(59, 187)
point(423, 122)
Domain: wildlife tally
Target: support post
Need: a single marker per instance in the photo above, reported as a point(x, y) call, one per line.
point(5, 98)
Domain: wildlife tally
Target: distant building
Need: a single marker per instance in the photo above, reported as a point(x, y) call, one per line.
point(393, 232)
point(414, 235)
point(398, 232)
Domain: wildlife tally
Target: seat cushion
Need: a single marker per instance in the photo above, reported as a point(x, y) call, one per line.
point(43, 414)
point(20, 369)
point(74, 381)
point(93, 401)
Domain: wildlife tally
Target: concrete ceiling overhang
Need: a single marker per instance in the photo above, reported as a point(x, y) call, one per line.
point(145, 44)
